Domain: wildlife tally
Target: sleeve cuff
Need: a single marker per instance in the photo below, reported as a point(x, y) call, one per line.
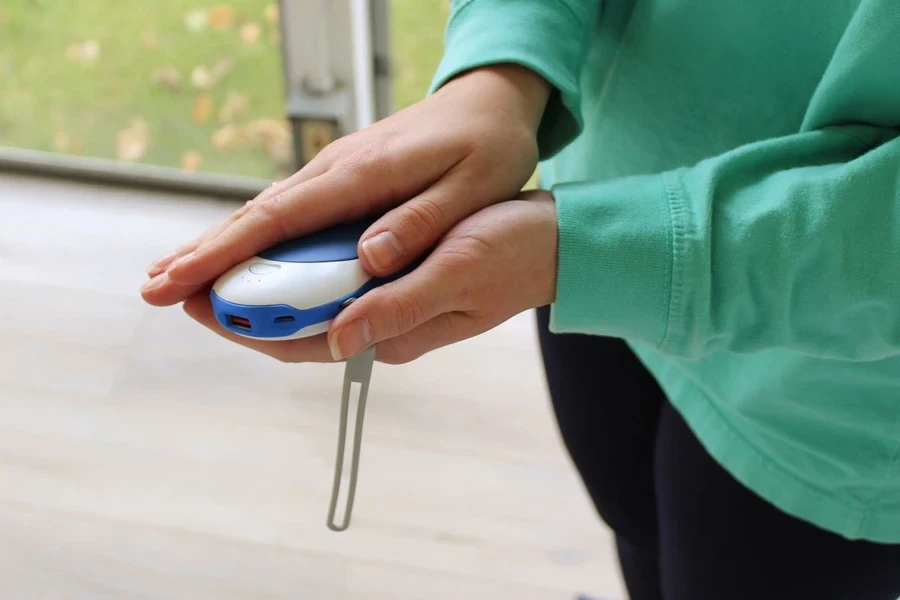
point(616, 259)
point(547, 36)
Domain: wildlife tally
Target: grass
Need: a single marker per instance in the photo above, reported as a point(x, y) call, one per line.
point(52, 101)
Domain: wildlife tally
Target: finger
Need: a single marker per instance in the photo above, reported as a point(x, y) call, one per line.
point(162, 263)
point(344, 193)
point(311, 349)
point(160, 291)
point(404, 233)
point(392, 310)
point(159, 265)
point(409, 230)
point(443, 330)
point(263, 225)
point(312, 169)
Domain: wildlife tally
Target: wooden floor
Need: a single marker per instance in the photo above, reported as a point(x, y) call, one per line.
point(141, 457)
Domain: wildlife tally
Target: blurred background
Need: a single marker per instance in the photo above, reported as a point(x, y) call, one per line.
point(143, 457)
point(198, 86)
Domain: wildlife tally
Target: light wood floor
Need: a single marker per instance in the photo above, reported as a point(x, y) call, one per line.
point(141, 457)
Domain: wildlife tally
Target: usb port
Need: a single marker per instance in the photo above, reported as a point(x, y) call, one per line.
point(239, 322)
point(285, 319)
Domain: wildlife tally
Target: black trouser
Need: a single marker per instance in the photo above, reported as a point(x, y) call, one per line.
point(685, 529)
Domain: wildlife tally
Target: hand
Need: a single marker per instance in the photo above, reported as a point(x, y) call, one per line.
point(469, 145)
point(488, 268)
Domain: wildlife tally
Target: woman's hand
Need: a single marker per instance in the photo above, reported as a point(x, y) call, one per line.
point(469, 145)
point(488, 268)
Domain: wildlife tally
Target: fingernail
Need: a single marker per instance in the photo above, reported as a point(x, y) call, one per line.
point(350, 339)
point(181, 261)
point(383, 250)
point(153, 283)
point(159, 265)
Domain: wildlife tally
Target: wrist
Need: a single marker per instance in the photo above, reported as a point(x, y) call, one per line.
point(552, 231)
point(518, 90)
point(544, 240)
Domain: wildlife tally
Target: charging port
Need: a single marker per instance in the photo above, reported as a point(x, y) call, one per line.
point(239, 322)
point(286, 319)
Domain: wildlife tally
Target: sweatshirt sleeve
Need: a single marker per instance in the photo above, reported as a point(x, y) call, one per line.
point(550, 37)
point(791, 242)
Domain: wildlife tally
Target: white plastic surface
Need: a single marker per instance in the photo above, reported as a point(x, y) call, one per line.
point(300, 285)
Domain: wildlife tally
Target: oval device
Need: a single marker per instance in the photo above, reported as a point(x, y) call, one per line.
point(294, 289)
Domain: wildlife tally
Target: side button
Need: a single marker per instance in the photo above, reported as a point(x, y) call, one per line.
point(261, 268)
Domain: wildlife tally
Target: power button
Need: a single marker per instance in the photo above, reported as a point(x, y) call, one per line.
point(261, 268)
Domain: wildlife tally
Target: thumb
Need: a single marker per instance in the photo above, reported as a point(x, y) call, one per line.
point(406, 232)
point(391, 310)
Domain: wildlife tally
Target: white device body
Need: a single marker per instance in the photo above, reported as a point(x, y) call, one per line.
point(301, 285)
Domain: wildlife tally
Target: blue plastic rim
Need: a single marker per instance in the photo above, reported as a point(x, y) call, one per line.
point(336, 244)
point(277, 320)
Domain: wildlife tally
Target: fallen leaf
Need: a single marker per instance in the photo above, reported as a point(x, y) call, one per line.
point(250, 33)
point(167, 76)
point(271, 13)
point(91, 50)
point(268, 129)
point(222, 68)
point(132, 142)
point(62, 142)
point(221, 17)
point(275, 136)
point(203, 106)
point(196, 21)
point(225, 138)
point(281, 153)
point(191, 160)
point(85, 52)
point(201, 78)
point(234, 105)
point(149, 40)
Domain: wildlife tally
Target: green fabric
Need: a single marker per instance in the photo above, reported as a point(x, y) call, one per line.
point(727, 177)
point(475, 45)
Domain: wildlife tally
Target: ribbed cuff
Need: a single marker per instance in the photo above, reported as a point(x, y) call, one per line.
point(489, 32)
point(615, 259)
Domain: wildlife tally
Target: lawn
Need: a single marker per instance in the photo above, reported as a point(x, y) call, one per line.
point(194, 85)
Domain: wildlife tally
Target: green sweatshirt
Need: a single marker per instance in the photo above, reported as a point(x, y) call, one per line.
point(727, 177)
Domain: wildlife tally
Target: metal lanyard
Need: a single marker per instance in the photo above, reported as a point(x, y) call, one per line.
point(358, 369)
